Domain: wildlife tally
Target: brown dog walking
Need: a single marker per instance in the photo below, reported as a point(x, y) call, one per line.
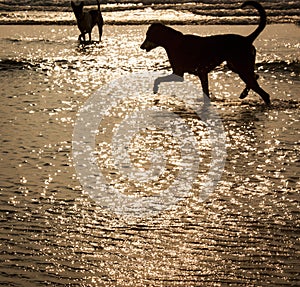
point(199, 55)
point(86, 20)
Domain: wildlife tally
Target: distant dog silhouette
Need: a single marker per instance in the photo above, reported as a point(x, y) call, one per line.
point(199, 55)
point(86, 20)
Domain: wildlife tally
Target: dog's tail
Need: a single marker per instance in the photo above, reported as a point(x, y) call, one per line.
point(262, 22)
point(98, 4)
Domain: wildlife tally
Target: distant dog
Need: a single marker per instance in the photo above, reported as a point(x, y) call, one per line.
point(86, 20)
point(199, 55)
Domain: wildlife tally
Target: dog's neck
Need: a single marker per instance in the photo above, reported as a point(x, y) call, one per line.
point(169, 36)
point(79, 16)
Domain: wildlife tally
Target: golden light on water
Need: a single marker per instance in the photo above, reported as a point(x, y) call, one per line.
point(142, 145)
point(245, 233)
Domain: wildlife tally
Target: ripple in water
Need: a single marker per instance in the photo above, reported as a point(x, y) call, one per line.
point(245, 234)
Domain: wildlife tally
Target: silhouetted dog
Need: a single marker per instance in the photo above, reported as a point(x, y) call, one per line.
point(199, 55)
point(86, 20)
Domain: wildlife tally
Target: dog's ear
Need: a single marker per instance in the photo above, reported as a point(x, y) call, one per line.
point(81, 4)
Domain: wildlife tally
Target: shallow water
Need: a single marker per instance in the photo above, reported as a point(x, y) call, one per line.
point(131, 12)
point(246, 233)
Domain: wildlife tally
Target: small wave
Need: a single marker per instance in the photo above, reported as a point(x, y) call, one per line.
point(12, 40)
point(292, 67)
point(279, 104)
point(8, 64)
point(46, 65)
point(18, 64)
point(283, 104)
point(26, 40)
point(280, 67)
point(276, 104)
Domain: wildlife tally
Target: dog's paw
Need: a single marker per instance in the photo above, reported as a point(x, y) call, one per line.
point(267, 102)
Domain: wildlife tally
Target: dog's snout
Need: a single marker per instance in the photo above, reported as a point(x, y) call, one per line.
point(143, 46)
point(148, 45)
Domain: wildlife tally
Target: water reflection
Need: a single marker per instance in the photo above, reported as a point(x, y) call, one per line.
point(246, 233)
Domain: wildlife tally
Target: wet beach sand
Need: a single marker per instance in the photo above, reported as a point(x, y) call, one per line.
point(245, 234)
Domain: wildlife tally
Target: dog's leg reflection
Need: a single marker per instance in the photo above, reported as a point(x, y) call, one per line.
point(168, 78)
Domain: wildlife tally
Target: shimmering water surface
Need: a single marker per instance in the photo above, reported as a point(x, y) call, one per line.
point(135, 12)
point(245, 234)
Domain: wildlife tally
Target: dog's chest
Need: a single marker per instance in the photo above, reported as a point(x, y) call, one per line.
point(86, 22)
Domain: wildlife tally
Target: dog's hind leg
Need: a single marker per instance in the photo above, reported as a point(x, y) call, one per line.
point(251, 83)
point(245, 68)
point(245, 92)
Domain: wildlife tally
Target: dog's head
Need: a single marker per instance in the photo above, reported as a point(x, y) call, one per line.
point(152, 37)
point(77, 9)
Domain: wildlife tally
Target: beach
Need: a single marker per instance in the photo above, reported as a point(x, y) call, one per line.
point(246, 233)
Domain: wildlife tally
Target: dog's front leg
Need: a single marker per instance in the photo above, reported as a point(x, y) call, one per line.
point(168, 78)
point(204, 83)
point(81, 37)
point(100, 30)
